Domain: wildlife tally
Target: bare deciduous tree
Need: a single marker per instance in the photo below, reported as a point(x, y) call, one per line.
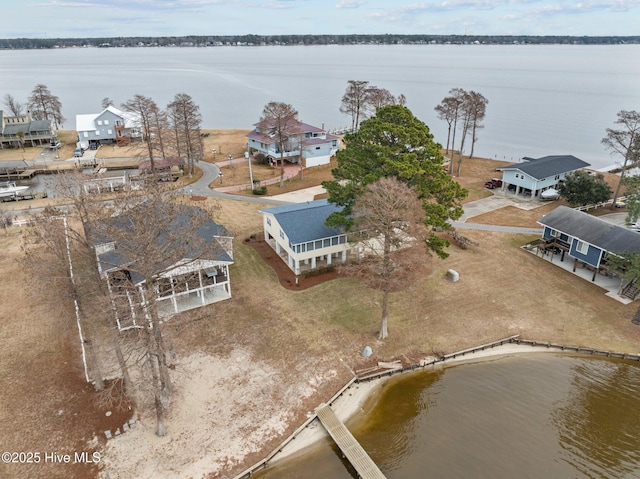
point(106, 102)
point(280, 121)
point(153, 238)
point(466, 109)
point(477, 106)
point(624, 142)
point(449, 110)
point(16, 108)
point(388, 226)
point(44, 105)
point(378, 97)
point(355, 101)
point(153, 124)
point(185, 120)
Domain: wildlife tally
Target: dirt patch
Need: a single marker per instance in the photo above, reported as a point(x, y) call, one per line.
point(47, 406)
point(287, 278)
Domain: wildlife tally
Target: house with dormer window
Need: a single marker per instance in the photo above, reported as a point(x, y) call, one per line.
point(23, 130)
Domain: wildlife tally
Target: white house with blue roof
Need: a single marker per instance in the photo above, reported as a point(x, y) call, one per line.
point(535, 175)
point(298, 234)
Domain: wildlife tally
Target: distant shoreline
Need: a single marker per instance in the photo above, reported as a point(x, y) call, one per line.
point(200, 41)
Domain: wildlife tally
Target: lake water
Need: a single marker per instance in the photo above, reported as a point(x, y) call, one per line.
point(543, 99)
point(526, 416)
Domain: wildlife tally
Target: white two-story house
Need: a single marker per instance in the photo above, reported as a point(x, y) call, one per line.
point(298, 234)
point(315, 145)
point(180, 283)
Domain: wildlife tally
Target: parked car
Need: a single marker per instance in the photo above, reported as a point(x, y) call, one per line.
point(78, 152)
point(493, 183)
point(620, 204)
point(54, 144)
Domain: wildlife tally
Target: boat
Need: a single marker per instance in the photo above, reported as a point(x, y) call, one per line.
point(9, 188)
point(550, 194)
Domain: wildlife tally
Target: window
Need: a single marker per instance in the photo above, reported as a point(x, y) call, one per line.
point(318, 244)
point(555, 233)
point(99, 122)
point(106, 122)
point(85, 134)
point(327, 242)
point(97, 132)
point(269, 221)
point(109, 132)
point(281, 234)
point(582, 247)
point(334, 241)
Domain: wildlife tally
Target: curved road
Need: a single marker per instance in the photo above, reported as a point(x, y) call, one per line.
point(211, 172)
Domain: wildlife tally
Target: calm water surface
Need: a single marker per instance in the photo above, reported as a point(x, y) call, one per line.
point(543, 99)
point(532, 416)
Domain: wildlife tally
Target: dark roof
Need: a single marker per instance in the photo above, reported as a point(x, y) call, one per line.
point(546, 166)
point(304, 222)
point(208, 230)
point(592, 230)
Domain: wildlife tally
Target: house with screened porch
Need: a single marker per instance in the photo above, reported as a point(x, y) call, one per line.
point(199, 278)
point(299, 236)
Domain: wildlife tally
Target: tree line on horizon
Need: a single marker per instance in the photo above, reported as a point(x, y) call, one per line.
point(350, 39)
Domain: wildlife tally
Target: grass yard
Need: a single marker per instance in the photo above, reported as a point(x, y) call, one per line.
point(502, 291)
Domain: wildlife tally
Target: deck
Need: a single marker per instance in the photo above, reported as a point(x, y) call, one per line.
point(353, 451)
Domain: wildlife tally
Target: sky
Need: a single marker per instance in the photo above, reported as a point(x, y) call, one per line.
point(131, 18)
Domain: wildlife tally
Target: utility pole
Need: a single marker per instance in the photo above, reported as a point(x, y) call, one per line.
point(246, 155)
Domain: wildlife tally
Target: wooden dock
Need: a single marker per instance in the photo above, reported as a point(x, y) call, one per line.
point(353, 451)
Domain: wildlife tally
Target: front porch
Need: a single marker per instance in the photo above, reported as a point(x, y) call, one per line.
point(557, 253)
point(187, 300)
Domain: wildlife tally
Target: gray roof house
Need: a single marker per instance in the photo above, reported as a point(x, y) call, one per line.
point(201, 277)
point(298, 234)
point(586, 238)
point(535, 175)
point(33, 132)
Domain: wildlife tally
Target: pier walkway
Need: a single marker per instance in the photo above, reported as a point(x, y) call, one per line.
point(353, 451)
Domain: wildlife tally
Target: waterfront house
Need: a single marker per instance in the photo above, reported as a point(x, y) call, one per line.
point(199, 278)
point(298, 234)
point(535, 175)
point(109, 126)
point(587, 239)
point(18, 131)
point(311, 146)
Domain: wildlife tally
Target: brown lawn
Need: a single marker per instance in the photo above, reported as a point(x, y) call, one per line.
point(46, 406)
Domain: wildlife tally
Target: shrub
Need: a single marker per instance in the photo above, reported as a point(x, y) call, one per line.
point(260, 191)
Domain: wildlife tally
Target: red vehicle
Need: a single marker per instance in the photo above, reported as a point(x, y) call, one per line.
point(493, 183)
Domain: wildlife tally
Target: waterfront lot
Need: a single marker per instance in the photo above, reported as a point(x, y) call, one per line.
point(270, 355)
